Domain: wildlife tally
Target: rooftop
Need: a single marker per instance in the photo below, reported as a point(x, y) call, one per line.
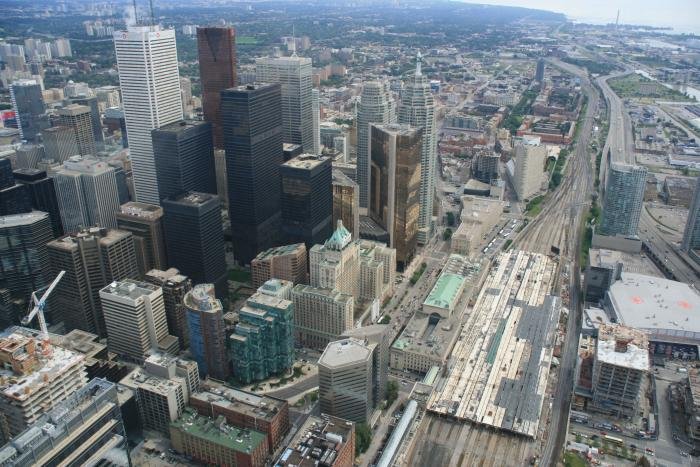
point(180, 126)
point(18, 220)
point(305, 161)
point(202, 298)
point(344, 352)
point(280, 251)
point(400, 129)
point(339, 178)
point(252, 405)
point(219, 432)
point(106, 236)
point(139, 378)
point(194, 198)
point(631, 262)
point(29, 370)
point(129, 288)
point(446, 291)
point(319, 439)
point(661, 306)
point(623, 346)
point(141, 210)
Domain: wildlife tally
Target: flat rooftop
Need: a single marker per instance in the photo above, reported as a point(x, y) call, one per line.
point(318, 438)
point(18, 220)
point(219, 432)
point(194, 198)
point(623, 346)
point(631, 262)
point(279, 251)
point(141, 210)
point(180, 126)
point(497, 374)
point(253, 405)
point(400, 129)
point(129, 288)
point(344, 352)
point(666, 308)
point(305, 161)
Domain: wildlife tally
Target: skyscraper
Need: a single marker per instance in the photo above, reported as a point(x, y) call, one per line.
point(93, 104)
point(336, 263)
point(320, 315)
point(92, 259)
point(14, 198)
point(150, 85)
point(376, 106)
point(417, 109)
point(184, 158)
point(395, 189)
point(345, 385)
point(539, 72)
point(194, 238)
point(346, 202)
point(28, 104)
point(253, 139)
point(217, 72)
point(530, 158)
point(307, 199)
point(43, 195)
point(294, 75)
point(691, 234)
point(79, 119)
point(316, 108)
point(25, 262)
point(622, 202)
point(145, 222)
point(207, 333)
point(175, 286)
point(262, 343)
point(60, 143)
point(29, 155)
point(134, 316)
point(286, 262)
point(87, 194)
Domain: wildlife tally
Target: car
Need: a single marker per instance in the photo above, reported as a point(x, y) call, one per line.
point(684, 454)
point(633, 446)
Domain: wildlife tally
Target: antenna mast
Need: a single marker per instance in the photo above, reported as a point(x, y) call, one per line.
point(153, 20)
point(136, 18)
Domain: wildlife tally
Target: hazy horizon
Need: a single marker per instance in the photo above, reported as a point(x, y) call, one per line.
point(682, 15)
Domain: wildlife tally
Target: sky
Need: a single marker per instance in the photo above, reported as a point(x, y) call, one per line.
point(682, 15)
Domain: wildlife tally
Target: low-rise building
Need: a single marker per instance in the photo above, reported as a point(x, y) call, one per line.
point(214, 442)
point(324, 440)
point(243, 409)
point(479, 216)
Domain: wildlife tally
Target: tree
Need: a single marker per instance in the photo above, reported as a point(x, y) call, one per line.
point(447, 234)
point(392, 392)
point(363, 438)
point(450, 218)
point(643, 462)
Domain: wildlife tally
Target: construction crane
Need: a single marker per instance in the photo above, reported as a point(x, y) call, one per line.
point(38, 309)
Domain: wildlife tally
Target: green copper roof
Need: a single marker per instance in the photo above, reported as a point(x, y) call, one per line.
point(445, 291)
point(340, 238)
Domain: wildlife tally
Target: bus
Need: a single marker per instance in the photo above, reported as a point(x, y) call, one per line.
point(614, 440)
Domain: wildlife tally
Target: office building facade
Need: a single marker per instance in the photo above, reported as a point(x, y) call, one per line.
point(92, 259)
point(623, 199)
point(150, 84)
point(42, 193)
point(306, 199)
point(194, 238)
point(294, 76)
point(14, 197)
point(216, 48)
point(145, 222)
point(28, 104)
point(262, 343)
point(175, 286)
point(691, 234)
point(346, 203)
point(320, 315)
point(336, 263)
point(87, 194)
point(184, 157)
point(93, 104)
point(60, 143)
point(376, 106)
point(79, 119)
point(417, 108)
point(286, 262)
point(530, 158)
point(206, 329)
point(253, 139)
point(395, 186)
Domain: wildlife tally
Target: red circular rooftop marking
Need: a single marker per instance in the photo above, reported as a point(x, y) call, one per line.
point(637, 300)
point(684, 304)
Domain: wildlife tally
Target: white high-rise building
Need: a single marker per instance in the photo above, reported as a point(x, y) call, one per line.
point(294, 75)
point(135, 319)
point(87, 194)
point(376, 106)
point(316, 106)
point(530, 157)
point(150, 85)
point(417, 108)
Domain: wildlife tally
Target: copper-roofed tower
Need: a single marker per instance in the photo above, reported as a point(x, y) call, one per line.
point(217, 71)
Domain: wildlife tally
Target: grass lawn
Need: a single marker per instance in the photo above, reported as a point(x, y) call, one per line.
point(631, 86)
point(573, 460)
point(246, 40)
point(239, 275)
point(534, 206)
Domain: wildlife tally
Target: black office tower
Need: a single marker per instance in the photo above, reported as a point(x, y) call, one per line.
point(307, 199)
point(194, 238)
point(42, 194)
point(184, 156)
point(28, 104)
point(14, 199)
point(252, 122)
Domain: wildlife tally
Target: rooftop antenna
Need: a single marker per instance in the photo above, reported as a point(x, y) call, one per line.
point(294, 43)
point(617, 20)
point(419, 60)
point(153, 18)
point(136, 18)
